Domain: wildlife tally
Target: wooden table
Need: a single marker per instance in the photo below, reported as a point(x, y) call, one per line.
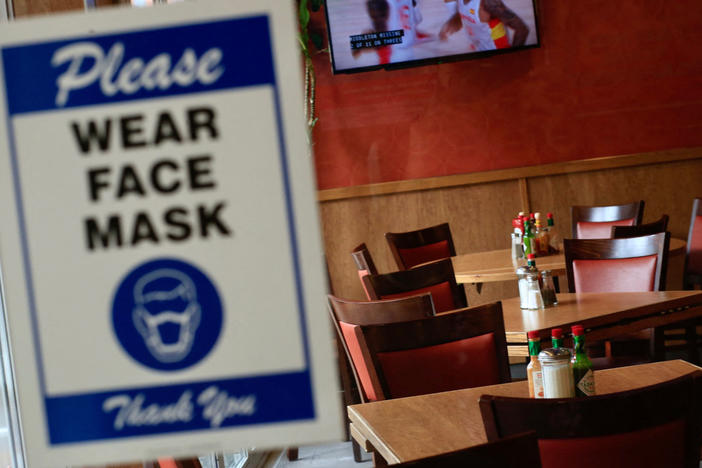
point(603, 315)
point(496, 265)
point(407, 429)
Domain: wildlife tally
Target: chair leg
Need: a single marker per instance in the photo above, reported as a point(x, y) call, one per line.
point(357, 456)
point(657, 344)
point(293, 453)
point(379, 461)
point(691, 343)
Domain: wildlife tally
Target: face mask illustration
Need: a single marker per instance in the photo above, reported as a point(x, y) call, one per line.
point(166, 313)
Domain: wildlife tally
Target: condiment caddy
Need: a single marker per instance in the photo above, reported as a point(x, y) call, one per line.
point(558, 372)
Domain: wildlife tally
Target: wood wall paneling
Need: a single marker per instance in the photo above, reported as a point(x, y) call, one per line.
point(666, 189)
point(480, 214)
point(42, 7)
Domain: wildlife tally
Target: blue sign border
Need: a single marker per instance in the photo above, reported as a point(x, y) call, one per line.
point(75, 418)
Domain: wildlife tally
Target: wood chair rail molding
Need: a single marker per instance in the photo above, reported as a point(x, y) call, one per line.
point(518, 173)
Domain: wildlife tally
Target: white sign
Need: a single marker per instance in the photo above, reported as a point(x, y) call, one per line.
point(159, 237)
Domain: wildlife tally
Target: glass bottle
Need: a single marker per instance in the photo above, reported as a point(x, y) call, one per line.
point(583, 376)
point(557, 338)
point(528, 239)
point(541, 236)
point(534, 374)
point(555, 242)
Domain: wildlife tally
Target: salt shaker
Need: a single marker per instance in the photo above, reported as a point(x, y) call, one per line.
point(556, 372)
point(533, 292)
point(522, 273)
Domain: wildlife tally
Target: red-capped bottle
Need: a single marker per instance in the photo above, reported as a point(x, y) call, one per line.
point(534, 373)
point(556, 338)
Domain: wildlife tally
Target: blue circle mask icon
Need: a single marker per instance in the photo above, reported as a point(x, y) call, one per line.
point(167, 314)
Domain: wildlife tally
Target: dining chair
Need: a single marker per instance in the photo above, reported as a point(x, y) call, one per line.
point(423, 245)
point(654, 426)
point(348, 315)
point(595, 222)
point(693, 255)
point(438, 278)
point(458, 349)
point(364, 264)
point(654, 227)
point(632, 264)
point(684, 332)
point(518, 451)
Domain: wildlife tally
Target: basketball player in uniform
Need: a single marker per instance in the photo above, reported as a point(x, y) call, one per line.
point(486, 23)
point(392, 15)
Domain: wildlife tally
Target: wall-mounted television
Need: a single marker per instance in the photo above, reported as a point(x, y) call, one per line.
point(371, 34)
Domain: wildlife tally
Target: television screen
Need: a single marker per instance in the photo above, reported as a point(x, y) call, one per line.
point(371, 34)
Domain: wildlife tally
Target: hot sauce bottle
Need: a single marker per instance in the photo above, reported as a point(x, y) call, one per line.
point(534, 373)
point(583, 377)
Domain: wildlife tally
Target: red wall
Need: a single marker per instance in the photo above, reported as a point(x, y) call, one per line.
point(611, 77)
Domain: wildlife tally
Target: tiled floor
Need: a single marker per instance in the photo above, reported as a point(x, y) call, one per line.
point(334, 455)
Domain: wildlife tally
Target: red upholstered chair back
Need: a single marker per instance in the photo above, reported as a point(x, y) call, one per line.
point(364, 264)
point(520, 451)
point(460, 349)
point(596, 222)
point(693, 263)
point(617, 265)
point(655, 426)
point(437, 278)
point(347, 316)
point(421, 246)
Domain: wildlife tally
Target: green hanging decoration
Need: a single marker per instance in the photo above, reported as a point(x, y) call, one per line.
point(305, 38)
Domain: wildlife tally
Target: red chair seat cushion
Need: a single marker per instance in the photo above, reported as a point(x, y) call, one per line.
point(588, 230)
point(466, 363)
point(615, 275)
point(656, 447)
point(440, 294)
point(426, 253)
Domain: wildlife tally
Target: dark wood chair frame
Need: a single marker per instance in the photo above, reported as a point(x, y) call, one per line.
point(601, 214)
point(416, 278)
point(443, 328)
point(518, 451)
point(684, 331)
point(418, 238)
point(374, 312)
point(601, 415)
point(363, 259)
point(606, 249)
point(690, 280)
point(661, 225)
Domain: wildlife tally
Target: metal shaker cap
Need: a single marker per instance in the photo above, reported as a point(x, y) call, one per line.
point(522, 271)
point(554, 355)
